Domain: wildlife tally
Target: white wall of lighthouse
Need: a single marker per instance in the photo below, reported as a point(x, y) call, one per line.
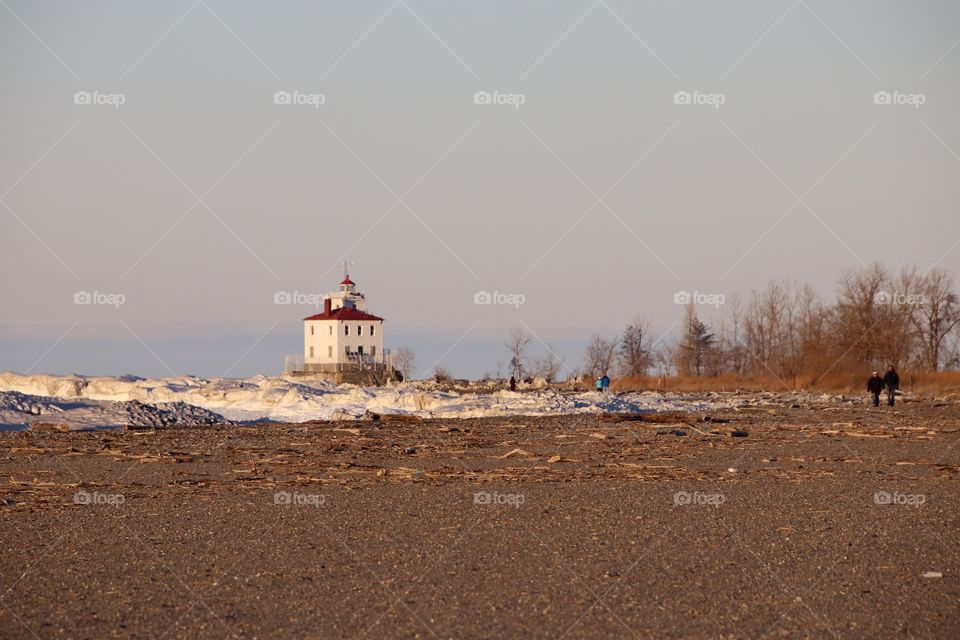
point(330, 341)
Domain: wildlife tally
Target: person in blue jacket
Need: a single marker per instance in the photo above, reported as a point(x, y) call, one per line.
point(604, 383)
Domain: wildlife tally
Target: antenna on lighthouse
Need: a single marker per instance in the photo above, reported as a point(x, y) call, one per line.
point(346, 269)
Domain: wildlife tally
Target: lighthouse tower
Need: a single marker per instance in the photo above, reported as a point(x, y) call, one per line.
point(344, 337)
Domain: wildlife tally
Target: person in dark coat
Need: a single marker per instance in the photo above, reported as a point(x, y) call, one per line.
point(513, 383)
point(892, 382)
point(604, 383)
point(875, 386)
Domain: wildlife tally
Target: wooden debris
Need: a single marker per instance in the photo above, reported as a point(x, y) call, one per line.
point(49, 426)
point(396, 417)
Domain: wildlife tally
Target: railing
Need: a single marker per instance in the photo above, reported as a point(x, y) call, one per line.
point(294, 363)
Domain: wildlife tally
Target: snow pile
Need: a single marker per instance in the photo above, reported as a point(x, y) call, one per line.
point(285, 399)
point(19, 410)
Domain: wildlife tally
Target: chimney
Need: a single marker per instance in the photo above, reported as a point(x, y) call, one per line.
point(326, 305)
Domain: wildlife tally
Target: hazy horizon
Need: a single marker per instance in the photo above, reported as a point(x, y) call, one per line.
point(597, 199)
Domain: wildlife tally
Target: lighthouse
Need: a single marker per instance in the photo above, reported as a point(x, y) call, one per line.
point(345, 337)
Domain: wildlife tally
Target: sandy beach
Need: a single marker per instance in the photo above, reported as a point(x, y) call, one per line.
point(790, 522)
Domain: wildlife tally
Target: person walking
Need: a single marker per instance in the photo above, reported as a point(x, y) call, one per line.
point(513, 383)
point(892, 382)
point(604, 383)
point(599, 384)
point(875, 386)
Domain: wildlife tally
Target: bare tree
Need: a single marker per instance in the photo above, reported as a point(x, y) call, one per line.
point(731, 332)
point(936, 315)
point(403, 360)
point(695, 347)
point(634, 353)
point(599, 355)
point(517, 342)
point(548, 366)
point(897, 305)
point(440, 374)
point(857, 316)
point(816, 353)
point(785, 331)
point(666, 360)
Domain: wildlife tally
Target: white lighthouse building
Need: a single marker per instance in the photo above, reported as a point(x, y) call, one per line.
point(344, 337)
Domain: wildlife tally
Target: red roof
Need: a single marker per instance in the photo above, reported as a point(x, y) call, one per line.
point(345, 313)
point(347, 280)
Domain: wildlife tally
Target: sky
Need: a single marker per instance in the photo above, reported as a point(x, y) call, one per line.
point(167, 169)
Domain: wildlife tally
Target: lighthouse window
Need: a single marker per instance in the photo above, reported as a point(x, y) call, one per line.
point(346, 329)
point(311, 352)
point(373, 330)
point(331, 329)
point(330, 352)
point(373, 351)
point(359, 330)
point(311, 329)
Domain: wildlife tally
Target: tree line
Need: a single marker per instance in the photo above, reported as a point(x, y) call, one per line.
point(878, 318)
point(787, 330)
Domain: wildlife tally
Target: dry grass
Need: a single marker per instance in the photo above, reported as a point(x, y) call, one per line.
point(933, 383)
